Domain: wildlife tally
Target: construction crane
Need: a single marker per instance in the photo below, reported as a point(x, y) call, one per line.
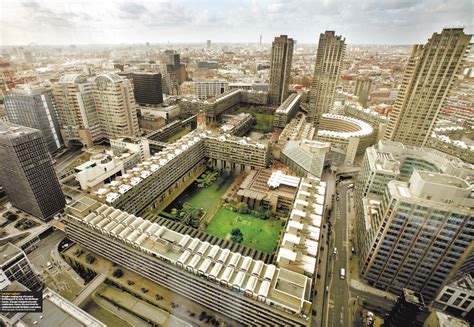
point(5, 67)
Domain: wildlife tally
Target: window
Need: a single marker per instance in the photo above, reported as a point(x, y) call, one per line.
point(445, 298)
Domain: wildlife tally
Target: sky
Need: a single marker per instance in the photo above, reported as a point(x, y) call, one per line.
point(123, 22)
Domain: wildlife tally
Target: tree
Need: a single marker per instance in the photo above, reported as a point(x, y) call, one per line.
point(242, 208)
point(195, 220)
point(6, 214)
point(263, 213)
point(11, 217)
point(90, 259)
point(236, 235)
point(118, 273)
point(207, 179)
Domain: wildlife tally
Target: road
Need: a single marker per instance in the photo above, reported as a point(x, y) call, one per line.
point(41, 255)
point(343, 294)
point(339, 294)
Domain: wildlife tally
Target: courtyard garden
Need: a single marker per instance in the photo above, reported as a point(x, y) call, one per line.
point(201, 198)
point(246, 229)
point(263, 121)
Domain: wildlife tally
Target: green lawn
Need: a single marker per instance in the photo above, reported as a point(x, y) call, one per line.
point(206, 197)
point(178, 135)
point(264, 122)
point(258, 234)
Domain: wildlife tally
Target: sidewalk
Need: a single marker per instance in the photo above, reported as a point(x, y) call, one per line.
point(321, 298)
point(56, 256)
point(371, 290)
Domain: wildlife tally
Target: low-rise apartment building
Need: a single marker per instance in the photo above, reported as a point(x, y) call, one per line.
point(249, 291)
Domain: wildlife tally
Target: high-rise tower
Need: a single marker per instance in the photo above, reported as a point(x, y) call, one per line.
point(147, 88)
point(428, 77)
point(78, 116)
point(34, 107)
point(116, 106)
point(331, 49)
point(280, 68)
point(26, 172)
point(362, 89)
point(417, 232)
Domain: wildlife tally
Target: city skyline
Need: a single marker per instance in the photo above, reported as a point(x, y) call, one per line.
point(110, 22)
point(165, 163)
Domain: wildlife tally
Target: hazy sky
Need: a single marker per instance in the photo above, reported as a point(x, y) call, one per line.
point(108, 21)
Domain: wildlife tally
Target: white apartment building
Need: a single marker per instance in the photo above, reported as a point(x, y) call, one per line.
point(299, 250)
point(207, 89)
point(139, 145)
point(413, 236)
point(104, 168)
point(457, 297)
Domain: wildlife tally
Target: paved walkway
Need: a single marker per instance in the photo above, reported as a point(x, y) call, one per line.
point(122, 314)
point(371, 290)
point(57, 257)
point(84, 294)
point(321, 283)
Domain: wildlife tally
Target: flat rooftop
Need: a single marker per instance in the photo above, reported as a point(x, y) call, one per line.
point(133, 177)
point(12, 131)
point(446, 320)
point(59, 312)
point(281, 286)
point(443, 179)
point(7, 252)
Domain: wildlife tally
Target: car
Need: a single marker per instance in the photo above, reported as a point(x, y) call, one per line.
point(338, 198)
point(350, 186)
point(327, 289)
point(353, 250)
point(334, 251)
point(342, 275)
point(49, 265)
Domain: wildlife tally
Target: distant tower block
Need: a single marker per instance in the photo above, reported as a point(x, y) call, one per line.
point(201, 120)
point(208, 44)
point(280, 69)
point(260, 39)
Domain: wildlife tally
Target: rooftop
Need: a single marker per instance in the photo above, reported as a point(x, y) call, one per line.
point(57, 311)
point(363, 129)
point(445, 320)
point(286, 289)
point(7, 252)
point(309, 155)
point(442, 179)
point(72, 79)
point(277, 178)
point(12, 131)
point(289, 103)
point(299, 247)
point(135, 176)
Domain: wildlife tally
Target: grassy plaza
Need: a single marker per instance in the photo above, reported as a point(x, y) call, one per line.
point(264, 122)
point(258, 234)
point(208, 198)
